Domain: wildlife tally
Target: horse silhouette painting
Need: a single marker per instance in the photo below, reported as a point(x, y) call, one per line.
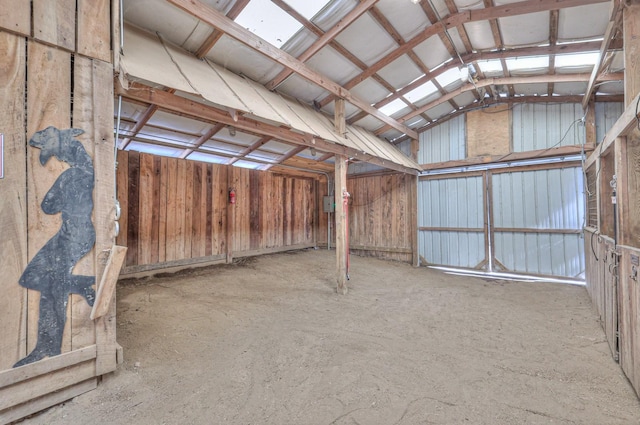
point(50, 271)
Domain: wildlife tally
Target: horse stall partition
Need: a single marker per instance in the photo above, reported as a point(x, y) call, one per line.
point(177, 213)
point(56, 92)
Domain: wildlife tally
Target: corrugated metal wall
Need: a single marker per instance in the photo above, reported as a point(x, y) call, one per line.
point(444, 142)
point(549, 200)
point(541, 126)
point(451, 203)
point(607, 113)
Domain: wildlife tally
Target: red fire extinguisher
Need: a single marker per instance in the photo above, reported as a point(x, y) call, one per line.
point(232, 196)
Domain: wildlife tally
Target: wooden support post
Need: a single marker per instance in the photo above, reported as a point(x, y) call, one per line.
point(341, 224)
point(631, 23)
point(231, 214)
point(622, 199)
point(413, 208)
point(415, 147)
point(340, 122)
point(590, 125)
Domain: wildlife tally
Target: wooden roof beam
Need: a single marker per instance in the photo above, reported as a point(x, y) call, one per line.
point(144, 119)
point(324, 40)
point(474, 57)
point(612, 27)
point(503, 81)
point(293, 152)
point(215, 35)
point(506, 10)
point(214, 18)
point(263, 140)
point(189, 108)
point(202, 140)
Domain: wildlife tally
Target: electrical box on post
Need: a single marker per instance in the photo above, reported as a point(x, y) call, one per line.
point(328, 204)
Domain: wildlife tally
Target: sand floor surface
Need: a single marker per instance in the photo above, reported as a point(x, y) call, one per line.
point(269, 341)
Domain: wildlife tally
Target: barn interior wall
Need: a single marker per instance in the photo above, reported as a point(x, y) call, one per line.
point(612, 234)
point(56, 71)
point(178, 212)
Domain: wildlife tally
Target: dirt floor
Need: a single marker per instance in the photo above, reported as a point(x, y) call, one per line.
point(268, 341)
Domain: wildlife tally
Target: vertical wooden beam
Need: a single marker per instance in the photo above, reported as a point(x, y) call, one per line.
point(631, 22)
point(341, 224)
point(622, 199)
point(339, 118)
point(413, 208)
point(230, 216)
point(590, 125)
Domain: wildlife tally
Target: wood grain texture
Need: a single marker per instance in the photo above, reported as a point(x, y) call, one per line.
point(488, 132)
point(192, 210)
point(82, 327)
point(48, 104)
point(94, 32)
point(630, 317)
point(13, 219)
point(15, 16)
point(54, 22)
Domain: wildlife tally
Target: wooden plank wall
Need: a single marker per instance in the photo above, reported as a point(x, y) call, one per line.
point(56, 71)
point(630, 315)
point(380, 216)
point(174, 212)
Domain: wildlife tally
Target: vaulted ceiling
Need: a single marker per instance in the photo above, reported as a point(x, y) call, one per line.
point(401, 65)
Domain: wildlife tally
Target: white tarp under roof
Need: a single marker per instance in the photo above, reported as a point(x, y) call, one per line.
point(148, 58)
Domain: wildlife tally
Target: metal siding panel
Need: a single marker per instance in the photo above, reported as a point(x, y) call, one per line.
point(452, 202)
point(542, 126)
point(552, 199)
point(444, 142)
point(607, 113)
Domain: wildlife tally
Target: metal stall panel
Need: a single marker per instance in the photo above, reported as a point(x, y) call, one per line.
point(451, 221)
point(537, 221)
point(444, 142)
point(542, 125)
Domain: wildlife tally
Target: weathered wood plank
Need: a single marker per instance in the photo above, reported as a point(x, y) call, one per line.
point(209, 212)
point(54, 22)
point(15, 16)
point(181, 210)
point(488, 132)
point(94, 29)
point(341, 230)
point(107, 286)
point(123, 195)
point(48, 100)
point(13, 219)
point(171, 205)
point(154, 208)
point(41, 403)
point(82, 328)
point(189, 206)
point(146, 217)
point(104, 199)
point(163, 210)
point(133, 218)
point(196, 217)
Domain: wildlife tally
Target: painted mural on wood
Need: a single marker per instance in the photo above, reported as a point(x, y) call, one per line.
point(50, 271)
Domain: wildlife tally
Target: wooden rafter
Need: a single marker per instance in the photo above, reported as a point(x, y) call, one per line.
point(325, 39)
point(503, 81)
point(214, 18)
point(553, 40)
point(190, 108)
point(144, 119)
point(202, 140)
point(511, 9)
point(215, 35)
point(263, 140)
point(612, 28)
point(293, 152)
point(474, 57)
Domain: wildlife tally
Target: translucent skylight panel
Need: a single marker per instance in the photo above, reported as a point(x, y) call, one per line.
point(449, 77)
point(578, 59)
point(268, 21)
point(392, 107)
point(307, 8)
point(531, 62)
point(490, 65)
point(421, 92)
